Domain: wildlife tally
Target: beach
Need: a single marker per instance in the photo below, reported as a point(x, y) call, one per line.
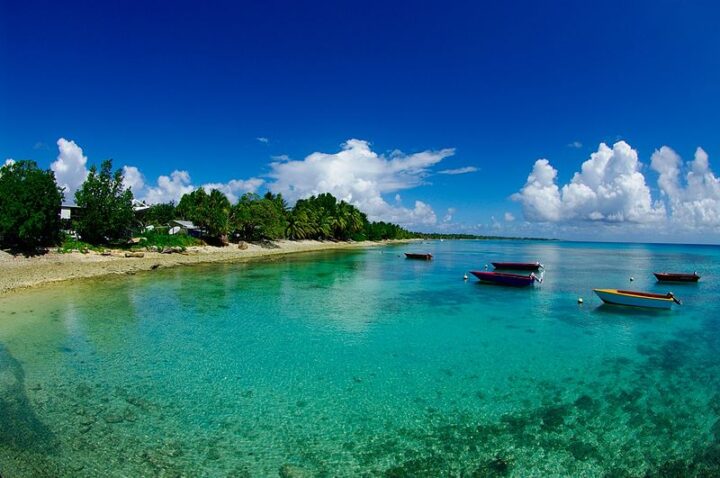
point(20, 272)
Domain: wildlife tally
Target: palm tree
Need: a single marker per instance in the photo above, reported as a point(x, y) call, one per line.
point(341, 220)
point(298, 226)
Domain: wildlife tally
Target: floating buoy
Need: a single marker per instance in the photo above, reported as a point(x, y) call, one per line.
point(465, 277)
point(580, 301)
point(632, 278)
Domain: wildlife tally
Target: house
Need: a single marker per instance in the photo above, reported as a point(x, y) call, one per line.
point(139, 206)
point(184, 227)
point(69, 211)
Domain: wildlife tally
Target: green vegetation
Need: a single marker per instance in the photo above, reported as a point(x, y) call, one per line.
point(163, 240)
point(29, 207)
point(107, 207)
point(70, 244)
point(209, 212)
point(254, 218)
point(323, 217)
point(268, 217)
point(159, 214)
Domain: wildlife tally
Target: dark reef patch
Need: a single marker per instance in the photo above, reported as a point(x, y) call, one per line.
point(19, 426)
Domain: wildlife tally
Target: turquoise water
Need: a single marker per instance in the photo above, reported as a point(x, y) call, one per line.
point(367, 364)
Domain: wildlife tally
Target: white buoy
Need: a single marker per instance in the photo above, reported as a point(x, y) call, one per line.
point(465, 277)
point(580, 301)
point(632, 279)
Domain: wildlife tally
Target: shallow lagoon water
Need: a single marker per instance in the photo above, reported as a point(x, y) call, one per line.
point(367, 364)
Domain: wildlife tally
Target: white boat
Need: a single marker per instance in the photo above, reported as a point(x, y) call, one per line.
point(637, 299)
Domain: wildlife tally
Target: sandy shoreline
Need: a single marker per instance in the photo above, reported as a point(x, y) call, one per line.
point(17, 272)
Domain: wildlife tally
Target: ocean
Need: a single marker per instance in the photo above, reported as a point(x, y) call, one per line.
point(364, 363)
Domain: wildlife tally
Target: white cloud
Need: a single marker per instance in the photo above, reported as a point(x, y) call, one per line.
point(509, 217)
point(449, 214)
point(465, 170)
point(541, 196)
point(360, 176)
point(575, 144)
point(696, 203)
point(167, 188)
point(263, 139)
point(235, 188)
point(355, 174)
point(609, 188)
point(133, 179)
point(280, 157)
point(70, 167)
point(9, 161)
point(178, 183)
point(71, 170)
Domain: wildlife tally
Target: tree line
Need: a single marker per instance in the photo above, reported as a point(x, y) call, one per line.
point(30, 202)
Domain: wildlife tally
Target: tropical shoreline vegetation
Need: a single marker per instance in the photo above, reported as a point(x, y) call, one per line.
point(30, 201)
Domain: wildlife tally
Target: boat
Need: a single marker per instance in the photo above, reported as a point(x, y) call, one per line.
point(518, 266)
point(416, 255)
point(637, 299)
point(676, 277)
point(503, 278)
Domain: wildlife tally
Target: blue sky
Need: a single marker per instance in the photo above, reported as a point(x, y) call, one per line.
point(495, 86)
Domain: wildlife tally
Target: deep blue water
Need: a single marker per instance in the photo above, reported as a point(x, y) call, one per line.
point(367, 364)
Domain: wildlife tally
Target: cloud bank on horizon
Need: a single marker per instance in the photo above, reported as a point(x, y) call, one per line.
point(611, 188)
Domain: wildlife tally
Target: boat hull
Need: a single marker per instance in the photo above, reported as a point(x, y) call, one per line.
point(512, 280)
point(676, 277)
point(422, 257)
point(635, 299)
point(518, 266)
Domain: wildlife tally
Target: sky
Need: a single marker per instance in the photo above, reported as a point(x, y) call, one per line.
point(564, 119)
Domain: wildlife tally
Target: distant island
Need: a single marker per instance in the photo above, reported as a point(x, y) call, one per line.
point(436, 235)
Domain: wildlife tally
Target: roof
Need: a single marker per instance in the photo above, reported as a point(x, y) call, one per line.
point(139, 205)
point(185, 224)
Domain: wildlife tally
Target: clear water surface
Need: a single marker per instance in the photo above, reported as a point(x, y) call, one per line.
point(367, 364)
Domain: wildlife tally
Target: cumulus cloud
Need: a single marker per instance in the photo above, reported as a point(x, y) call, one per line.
point(355, 174)
point(465, 170)
point(9, 161)
point(263, 139)
point(693, 198)
point(449, 214)
point(509, 217)
point(69, 167)
point(575, 144)
point(71, 170)
point(610, 187)
point(235, 188)
point(360, 176)
point(133, 179)
point(178, 183)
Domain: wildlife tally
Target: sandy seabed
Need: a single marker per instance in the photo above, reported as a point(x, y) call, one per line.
point(17, 272)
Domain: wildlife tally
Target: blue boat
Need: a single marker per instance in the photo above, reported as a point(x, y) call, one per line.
point(502, 278)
